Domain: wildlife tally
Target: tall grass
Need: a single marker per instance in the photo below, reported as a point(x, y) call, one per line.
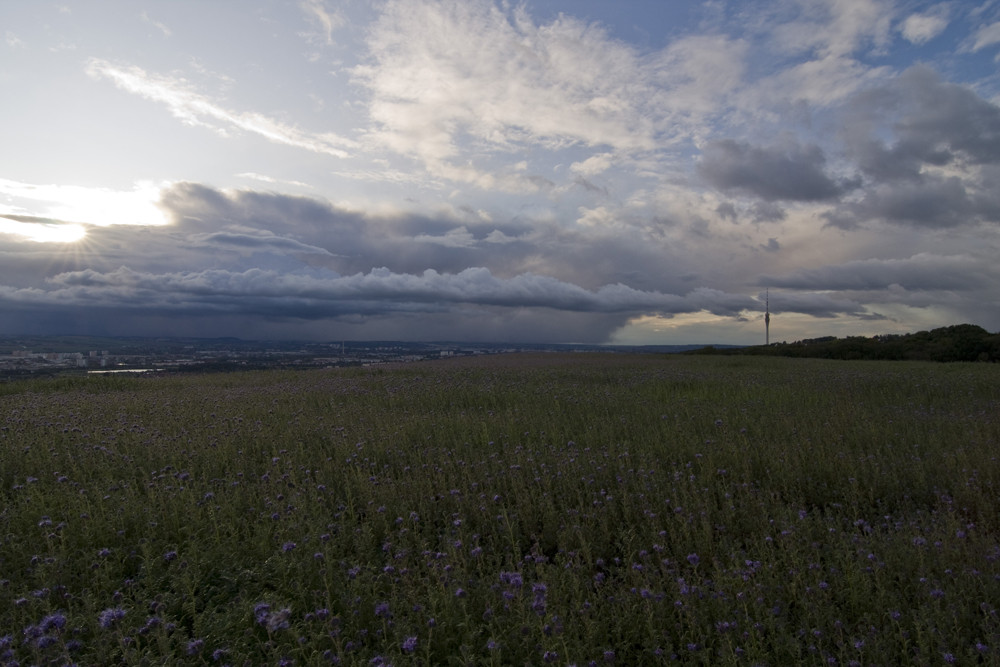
point(586, 509)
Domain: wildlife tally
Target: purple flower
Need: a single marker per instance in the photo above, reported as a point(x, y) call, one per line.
point(194, 646)
point(550, 656)
point(53, 621)
point(109, 617)
point(287, 546)
point(279, 620)
point(382, 610)
point(169, 556)
point(693, 559)
point(512, 579)
point(261, 611)
point(409, 644)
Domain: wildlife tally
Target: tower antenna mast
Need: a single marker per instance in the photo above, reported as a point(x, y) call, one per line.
point(767, 317)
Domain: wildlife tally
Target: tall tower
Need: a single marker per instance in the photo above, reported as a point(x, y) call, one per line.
point(767, 318)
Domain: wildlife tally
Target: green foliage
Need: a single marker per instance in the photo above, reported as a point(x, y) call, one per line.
point(507, 510)
point(962, 342)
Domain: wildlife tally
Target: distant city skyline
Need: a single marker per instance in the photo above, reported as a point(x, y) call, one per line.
point(565, 171)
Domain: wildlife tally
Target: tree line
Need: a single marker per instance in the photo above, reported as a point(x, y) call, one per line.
point(960, 342)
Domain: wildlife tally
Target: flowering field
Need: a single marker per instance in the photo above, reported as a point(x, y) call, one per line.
point(521, 509)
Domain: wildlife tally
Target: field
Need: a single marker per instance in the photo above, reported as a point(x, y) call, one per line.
point(517, 509)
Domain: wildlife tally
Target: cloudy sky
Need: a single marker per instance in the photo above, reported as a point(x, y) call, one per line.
point(637, 171)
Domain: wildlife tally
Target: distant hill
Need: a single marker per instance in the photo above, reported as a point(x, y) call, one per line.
point(960, 342)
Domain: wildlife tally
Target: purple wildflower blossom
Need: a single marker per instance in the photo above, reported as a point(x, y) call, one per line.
point(261, 611)
point(109, 617)
point(279, 620)
point(512, 579)
point(53, 621)
point(410, 644)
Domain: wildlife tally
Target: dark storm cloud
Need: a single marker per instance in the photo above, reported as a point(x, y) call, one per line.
point(920, 272)
point(929, 151)
point(259, 241)
point(789, 171)
point(317, 294)
point(767, 212)
point(929, 202)
point(727, 211)
point(932, 121)
point(299, 262)
point(817, 305)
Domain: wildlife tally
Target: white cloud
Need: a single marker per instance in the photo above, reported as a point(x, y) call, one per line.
point(822, 82)
point(835, 28)
point(13, 41)
point(921, 28)
point(196, 110)
point(156, 24)
point(460, 237)
point(986, 36)
point(593, 165)
point(328, 19)
point(456, 76)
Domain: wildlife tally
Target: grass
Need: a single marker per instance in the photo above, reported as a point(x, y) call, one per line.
point(521, 509)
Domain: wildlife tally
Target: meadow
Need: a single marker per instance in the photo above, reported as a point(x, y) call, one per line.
point(586, 509)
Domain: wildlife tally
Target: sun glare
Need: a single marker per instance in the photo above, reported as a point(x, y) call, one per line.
point(44, 232)
point(60, 213)
point(102, 207)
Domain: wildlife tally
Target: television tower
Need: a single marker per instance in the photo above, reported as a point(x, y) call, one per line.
point(767, 318)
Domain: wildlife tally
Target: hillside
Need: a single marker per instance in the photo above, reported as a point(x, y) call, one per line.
point(961, 342)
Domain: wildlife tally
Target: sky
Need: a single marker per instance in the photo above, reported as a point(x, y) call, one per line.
point(568, 171)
